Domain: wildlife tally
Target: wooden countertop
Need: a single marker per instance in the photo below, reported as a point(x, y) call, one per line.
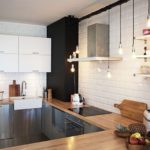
point(94, 141)
point(105, 140)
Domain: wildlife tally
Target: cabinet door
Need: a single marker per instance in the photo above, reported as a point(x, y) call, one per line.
point(6, 123)
point(34, 45)
point(31, 63)
point(47, 120)
point(9, 62)
point(27, 123)
point(8, 44)
point(58, 123)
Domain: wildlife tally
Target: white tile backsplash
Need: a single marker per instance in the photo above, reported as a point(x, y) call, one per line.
point(93, 85)
point(35, 81)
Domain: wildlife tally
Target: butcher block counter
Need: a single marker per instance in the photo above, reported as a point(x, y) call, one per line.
point(104, 140)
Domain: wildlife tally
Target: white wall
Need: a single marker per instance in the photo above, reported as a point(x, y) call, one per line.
point(94, 85)
point(35, 81)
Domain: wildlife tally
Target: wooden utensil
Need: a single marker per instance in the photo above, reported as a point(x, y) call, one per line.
point(132, 109)
point(49, 94)
point(14, 89)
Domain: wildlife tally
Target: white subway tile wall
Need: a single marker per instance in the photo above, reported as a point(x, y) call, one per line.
point(35, 81)
point(97, 89)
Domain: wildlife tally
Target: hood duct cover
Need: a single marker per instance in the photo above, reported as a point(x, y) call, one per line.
point(98, 40)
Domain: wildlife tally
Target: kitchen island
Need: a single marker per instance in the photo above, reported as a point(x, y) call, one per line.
point(105, 140)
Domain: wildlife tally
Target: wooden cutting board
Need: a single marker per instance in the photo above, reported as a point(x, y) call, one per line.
point(132, 109)
point(14, 89)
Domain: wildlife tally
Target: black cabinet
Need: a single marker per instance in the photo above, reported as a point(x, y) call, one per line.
point(58, 123)
point(52, 122)
point(47, 120)
point(64, 34)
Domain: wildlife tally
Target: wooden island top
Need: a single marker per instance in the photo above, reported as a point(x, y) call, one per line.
point(104, 140)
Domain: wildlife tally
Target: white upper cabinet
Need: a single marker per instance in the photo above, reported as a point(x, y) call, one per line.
point(8, 53)
point(9, 44)
point(25, 54)
point(8, 63)
point(34, 63)
point(34, 54)
point(34, 45)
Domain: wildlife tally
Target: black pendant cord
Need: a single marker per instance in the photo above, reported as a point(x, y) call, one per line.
point(109, 36)
point(74, 75)
point(133, 50)
point(120, 24)
point(148, 9)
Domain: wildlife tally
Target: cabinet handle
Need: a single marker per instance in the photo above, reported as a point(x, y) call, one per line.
point(35, 70)
point(35, 53)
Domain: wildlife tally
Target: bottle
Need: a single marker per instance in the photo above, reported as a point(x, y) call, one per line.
point(44, 93)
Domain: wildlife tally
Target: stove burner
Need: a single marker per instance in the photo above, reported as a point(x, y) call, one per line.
point(89, 111)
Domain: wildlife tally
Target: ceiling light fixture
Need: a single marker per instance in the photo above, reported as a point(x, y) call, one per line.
point(120, 44)
point(133, 48)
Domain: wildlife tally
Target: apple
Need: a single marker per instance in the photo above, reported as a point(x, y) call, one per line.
point(133, 140)
point(141, 141)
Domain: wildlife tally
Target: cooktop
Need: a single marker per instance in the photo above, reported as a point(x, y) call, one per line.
point(89, 111)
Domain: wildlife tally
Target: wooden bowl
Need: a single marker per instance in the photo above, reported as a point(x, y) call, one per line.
point(135, 147)
point(122, 134)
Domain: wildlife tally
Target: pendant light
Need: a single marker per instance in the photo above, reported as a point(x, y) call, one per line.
point(108, 69)
point(120, 43)
point(72, 68)
point(133, 48)
point(148, 16)
point(77, 50)
point(74, 77)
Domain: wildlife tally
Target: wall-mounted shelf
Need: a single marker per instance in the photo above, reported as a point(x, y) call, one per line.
point(86, 59)
point(144, 37)
point(142, 75)
point(142, 56)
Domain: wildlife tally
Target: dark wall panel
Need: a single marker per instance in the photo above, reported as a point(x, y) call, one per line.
point(64, 34)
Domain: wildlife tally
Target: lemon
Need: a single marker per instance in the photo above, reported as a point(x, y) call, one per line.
point(136, 135)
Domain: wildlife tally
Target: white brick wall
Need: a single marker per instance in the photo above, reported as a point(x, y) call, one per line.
point(94, 86)
point(35, 81)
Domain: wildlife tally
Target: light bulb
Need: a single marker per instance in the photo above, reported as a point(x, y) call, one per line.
point(77, 50)
point(74, 54)
point(148, 21)
point(133, 55)
point(109, 74)
point(120, 49)
point(72, 68)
